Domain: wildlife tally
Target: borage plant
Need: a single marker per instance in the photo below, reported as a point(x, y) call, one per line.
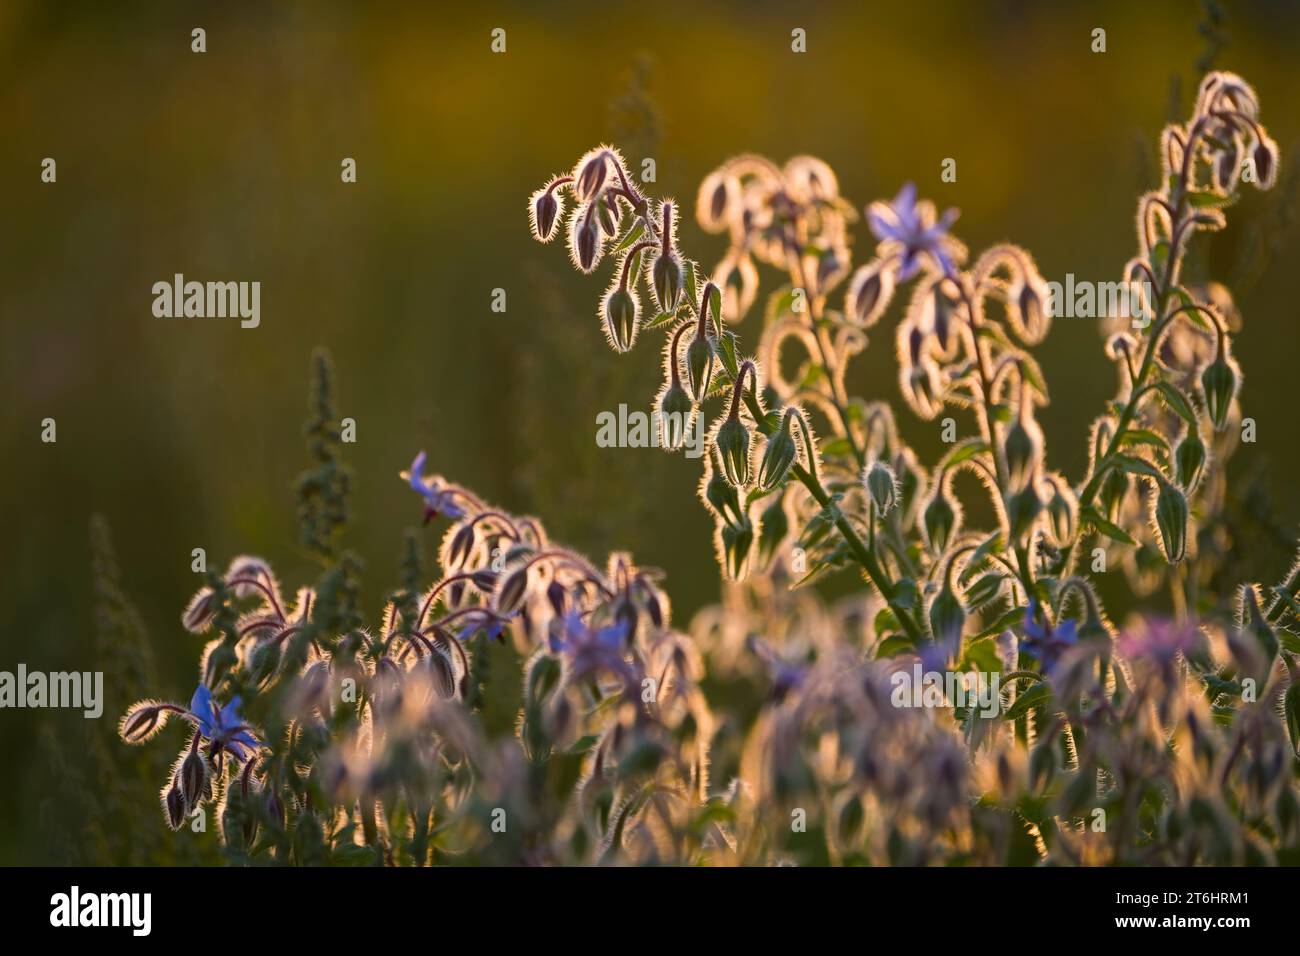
point(530, 706)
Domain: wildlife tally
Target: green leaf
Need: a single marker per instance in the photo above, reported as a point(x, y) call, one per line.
point(1036, 696)
point(630, 236)
point(1177, 401)
point(1143, 436)
point(1113, 531)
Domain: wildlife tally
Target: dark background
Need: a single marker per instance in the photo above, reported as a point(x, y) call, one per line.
point(225, 166)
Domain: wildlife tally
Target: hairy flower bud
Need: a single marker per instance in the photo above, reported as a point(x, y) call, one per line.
point(699, 367)
point(1022, 449)
point(732, 441)
point(193, 777)
point(1022, 509)
point(947, 618)
point(869, 293)
point(621, 313)
point(1170, 512)
point(590, 174)
point(1219, 383)
point(779, 454)
point(585, 238)
point(882, 486)
point(720, 494)
point(1189, 460)
point(1062, 510)
point(174, 806)
point(774, 525)
point(675, 412)
point(1265, 159)
point(737, 540)
point(200, 611)
point(667, 278)
point(939, 520)
point(544, 211)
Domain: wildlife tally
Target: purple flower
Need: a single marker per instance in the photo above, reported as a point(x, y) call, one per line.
point(1044, 642)
point(223, 728)
point(1160, 640)
point(911, 226)
point(438, 499)
point(591, 650)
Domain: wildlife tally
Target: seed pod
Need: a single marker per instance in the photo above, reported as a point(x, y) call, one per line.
point(1171, 521)
point(732, 441)
point(667, 278)
point(882, 486)
point(1219, 384)
point(621, 313)
point(779, 454)
point(699, 367)
point(1189, 460)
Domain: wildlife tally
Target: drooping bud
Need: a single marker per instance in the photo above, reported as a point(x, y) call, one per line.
point(585, 238)
point(1189, 460)
point(1114, 489)
point(737, 540)
point(1170, 512)
point(779, 454)
point(621, 313)
point(699, 366)
point(511, 590)
point(939, 520)
point(869, 293)
point(1022, 449)
point(200, 611)
point(882, 486)
point(590, 174)
point(947, 619)
point(667, 278)
point(174, 806)
point(1265, 158)
point(142, 721)
point(246, 569)
point(544, 209)
point(1029, 308)
point(1219, 383)
point(1023, 508)
point(1255, 625)
point(193, 777)
point(774, 525)
point(720, 494)
point(674, 416)
point(732, 441)
point(1062, 510)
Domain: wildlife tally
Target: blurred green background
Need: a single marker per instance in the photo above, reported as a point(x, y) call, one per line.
point(225, 166)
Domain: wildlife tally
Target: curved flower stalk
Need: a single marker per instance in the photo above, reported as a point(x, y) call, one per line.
point(846, 490)
point(851, 762)
point(375, 745)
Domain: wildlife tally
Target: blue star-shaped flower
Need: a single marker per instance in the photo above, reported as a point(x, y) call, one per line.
point(912, 226)
point(1046, 643)
point(223, 728)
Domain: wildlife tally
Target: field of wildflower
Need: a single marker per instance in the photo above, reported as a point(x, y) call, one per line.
point(974, 704)
point(1026, 648)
